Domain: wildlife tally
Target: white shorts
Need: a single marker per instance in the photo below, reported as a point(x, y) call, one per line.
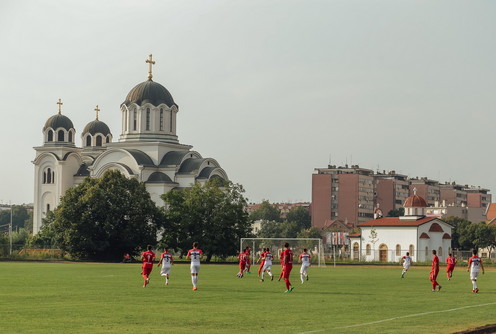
point(165, 270)
point(304, 269)
point(267, 266)
point(406, 266)
point(195, 268)
point(473, 275)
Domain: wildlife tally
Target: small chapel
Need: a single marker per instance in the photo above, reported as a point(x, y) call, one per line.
point(148, 149)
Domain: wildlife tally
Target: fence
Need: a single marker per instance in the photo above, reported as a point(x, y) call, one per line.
point(20, 251)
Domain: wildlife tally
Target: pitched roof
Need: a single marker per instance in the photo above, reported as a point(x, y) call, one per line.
point(396, 221)
point(491, 211)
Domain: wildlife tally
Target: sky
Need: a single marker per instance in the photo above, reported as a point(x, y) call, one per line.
point(270, 89)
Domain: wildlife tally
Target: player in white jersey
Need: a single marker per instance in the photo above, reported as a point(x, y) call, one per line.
point(474, 266)
point(407, 262)
point(195, 255)
point(267, 267)
point(305, 259)
point(166, 260)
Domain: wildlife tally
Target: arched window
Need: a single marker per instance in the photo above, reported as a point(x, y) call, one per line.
point(426, 252)
point(60, 135)
point(135, 119)
point(108, 139)
point(440, 251)
point(147, 119)
point(70, 136)
point(98, 140)
point(44, 177)
point(48, 176)
point(50, 135)
point(398, 250)
point(367, 249)
point(88, 140)
point(161, 119)
point(48, 208)
point(411, 249)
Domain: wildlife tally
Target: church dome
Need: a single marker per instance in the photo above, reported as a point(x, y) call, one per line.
point(58, 121)
point(149, 92)
point(95, 127)
point(415, 201)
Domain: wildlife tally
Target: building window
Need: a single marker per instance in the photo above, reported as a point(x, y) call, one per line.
point(70, 137)
point(48, 208)
point(440, 251)
point(398, 250)
point(367, 249)
point(135, 119)
point(108, 139)
point(98, 140)
point(50, 135)
point(426, 252)
point(60, 135)
point(161, 120)
point(147, 119)
point(88, 140)
point(48, 176)
point(411, 249)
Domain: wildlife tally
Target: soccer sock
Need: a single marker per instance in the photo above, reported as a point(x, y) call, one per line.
point(263, 274)
point(270, 274)
point(301, 276)
point(193, 281)
point(288, 285)
point(474, 283)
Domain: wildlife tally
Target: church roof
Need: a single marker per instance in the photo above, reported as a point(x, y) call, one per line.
point(141, 157)
point(158, 177)
point(173, 158)
point(396, 221)
point(149, 92)
point(95, 127)
point(415, 201)
point(205, 172)
point(58, 121)
point(190, 165)
point(83, 171)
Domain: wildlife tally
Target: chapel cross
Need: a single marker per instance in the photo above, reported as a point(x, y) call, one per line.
point(150, 62)
point(97, 111)
point(60, 106)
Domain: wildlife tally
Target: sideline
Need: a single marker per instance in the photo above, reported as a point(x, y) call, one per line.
point(396, 318)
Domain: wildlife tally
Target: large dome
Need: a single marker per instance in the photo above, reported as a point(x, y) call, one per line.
point(149, 92)
point(415, 201)
point(95, 127)
point(58, 121)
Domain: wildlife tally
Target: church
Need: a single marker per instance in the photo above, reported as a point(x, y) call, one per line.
point(148, 149)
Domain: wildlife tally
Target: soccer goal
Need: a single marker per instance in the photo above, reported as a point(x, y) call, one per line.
point(276, 246)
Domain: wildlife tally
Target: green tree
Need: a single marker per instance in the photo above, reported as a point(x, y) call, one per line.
point(312, 232)
point(266, 212)
point(301, 216)
point(396, 212)
point(270, 229)
point(101, 219)
point(462, 235)
point(212, 214)
point(21, 218)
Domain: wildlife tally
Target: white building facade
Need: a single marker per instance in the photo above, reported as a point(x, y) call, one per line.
point(148, 150)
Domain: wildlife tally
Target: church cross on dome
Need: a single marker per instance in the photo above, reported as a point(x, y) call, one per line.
point(150, 62)
point(415, 191)
point(60, 106)
point(97, 110)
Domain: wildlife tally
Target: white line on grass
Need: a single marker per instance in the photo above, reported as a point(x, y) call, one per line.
point(396, 318)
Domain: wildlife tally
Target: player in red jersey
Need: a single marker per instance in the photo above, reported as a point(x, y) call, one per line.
point(147, 259)
point(474, 266)
point(450, 265)
point(167, 261)
point(242, 264)
point(434, 271)
point(282, 266)
point(195, 255)
point(261, 259)
point(287, 259)
point(248, 260)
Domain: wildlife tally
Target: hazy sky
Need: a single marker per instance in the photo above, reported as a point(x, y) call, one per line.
point(270, 89)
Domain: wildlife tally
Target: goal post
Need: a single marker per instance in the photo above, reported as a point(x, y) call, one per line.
point(276, 246)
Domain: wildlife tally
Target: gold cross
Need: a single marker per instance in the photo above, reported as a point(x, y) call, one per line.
point(60, 106)
point(97, 111)
point(150, 62)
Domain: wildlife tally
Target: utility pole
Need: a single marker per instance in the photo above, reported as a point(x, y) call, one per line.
point(10, 229)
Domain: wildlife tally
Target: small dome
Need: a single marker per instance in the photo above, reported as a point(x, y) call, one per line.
point(415, 201)
point(95, 127)
point(149, 92)
point(158, 177)
point(58, 121)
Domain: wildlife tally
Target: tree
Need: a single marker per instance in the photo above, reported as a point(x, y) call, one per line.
point(301, 216)
point(396, 212)
point(266, 212)
point(21, 218)
point(101, 219)
point(270, 229)
point(212, 214)
point(461, 237)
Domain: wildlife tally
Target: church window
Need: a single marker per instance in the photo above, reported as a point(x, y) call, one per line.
point(98, 140)
point(60, 135)
point(48, 176)
point(48, 208)
point(50, 135)
point(440, 251)
point(367, 249)
point(147, 119)
point(171, 121)
point(135, 119)
point(411, 249)
point(161, 120)
point(70, 137)
point(108, 139)
point(426, 252)
point(398, 250)
point(88, 140)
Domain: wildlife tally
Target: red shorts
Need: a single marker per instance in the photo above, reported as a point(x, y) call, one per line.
point(450, 268)
point(433, 276)
point(146, 270)
point(287, 270)
point(242, 265)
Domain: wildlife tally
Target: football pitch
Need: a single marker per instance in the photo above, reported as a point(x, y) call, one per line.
point(40, 297)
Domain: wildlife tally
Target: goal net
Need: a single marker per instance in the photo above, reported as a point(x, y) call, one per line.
point(276, 246)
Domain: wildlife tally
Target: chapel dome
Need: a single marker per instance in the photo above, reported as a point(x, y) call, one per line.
point(58, 121)
point(415, 201)
point(149, 92)
point(95, 127)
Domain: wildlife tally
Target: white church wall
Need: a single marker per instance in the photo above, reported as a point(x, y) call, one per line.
point(389, 236)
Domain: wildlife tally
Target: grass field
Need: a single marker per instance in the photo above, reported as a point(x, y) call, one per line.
point(108, 298)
